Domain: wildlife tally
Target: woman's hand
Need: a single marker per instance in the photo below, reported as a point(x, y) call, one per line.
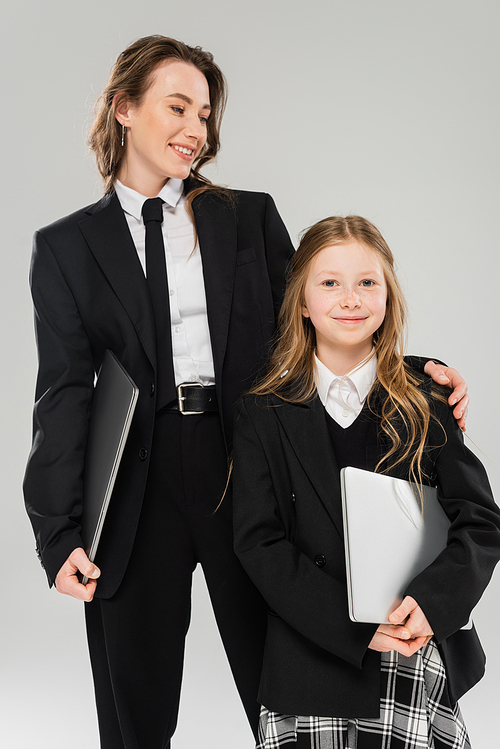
point(67, 581)
point(453, 379)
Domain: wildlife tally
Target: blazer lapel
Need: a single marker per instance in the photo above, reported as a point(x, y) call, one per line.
point(215, 220)
point(108, 236)
point(306, 429)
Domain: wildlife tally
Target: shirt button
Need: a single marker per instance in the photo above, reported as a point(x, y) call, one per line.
point(176, 330)
point(193, 378)
point(143, 453)
point(345, 413)
point(171, 292)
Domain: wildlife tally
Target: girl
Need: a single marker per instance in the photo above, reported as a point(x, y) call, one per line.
point(338, 393)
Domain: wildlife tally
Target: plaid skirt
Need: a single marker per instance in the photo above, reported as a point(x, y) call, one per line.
point(415, 713)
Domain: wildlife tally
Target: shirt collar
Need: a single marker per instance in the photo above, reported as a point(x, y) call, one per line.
point(132, 201)
point(361, 379)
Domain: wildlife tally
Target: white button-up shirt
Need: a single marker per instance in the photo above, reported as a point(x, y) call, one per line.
point(344, 397)
point(191, 346)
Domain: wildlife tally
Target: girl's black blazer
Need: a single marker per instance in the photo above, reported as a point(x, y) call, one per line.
point(90, 294)
point(288, 536)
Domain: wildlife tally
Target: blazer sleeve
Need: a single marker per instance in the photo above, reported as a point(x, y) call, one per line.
point(312, 602)
point(451, 586)
point(54, 474)
point(279, 252)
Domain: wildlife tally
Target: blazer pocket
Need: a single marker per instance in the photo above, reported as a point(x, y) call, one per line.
point(245, 256)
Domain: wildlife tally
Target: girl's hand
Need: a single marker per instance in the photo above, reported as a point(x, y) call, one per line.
point(408, 632)
point(384, 642)
point(413, 618)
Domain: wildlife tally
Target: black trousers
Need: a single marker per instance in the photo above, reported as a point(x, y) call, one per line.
point(136, 638)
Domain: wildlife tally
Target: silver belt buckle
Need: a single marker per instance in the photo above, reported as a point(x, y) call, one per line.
point(181, 398)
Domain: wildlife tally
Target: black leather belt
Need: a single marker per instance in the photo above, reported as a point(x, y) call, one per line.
point(193, 398)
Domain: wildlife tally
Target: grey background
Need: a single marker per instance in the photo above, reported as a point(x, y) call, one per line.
point(388, 109)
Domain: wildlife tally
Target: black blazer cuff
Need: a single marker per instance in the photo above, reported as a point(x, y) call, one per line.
point(53, 556)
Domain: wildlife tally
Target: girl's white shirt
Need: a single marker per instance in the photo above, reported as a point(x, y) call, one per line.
point(344, 396)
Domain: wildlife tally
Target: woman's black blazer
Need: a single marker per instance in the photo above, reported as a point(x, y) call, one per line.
point(90, 294)
point(289, 538)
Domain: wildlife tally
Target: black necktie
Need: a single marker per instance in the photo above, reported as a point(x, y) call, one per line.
point(156, 272)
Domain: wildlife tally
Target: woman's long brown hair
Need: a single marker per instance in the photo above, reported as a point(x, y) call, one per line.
point(291, 373)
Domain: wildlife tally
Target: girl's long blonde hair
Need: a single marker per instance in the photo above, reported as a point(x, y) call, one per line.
point(291, 374)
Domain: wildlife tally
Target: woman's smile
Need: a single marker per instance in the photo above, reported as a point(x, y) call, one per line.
point(184, 152)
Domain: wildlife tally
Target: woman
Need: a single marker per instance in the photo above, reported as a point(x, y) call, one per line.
point(340, 393)
point(201, 323)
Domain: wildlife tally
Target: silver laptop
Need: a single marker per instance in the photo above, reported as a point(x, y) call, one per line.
point(389, 539)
